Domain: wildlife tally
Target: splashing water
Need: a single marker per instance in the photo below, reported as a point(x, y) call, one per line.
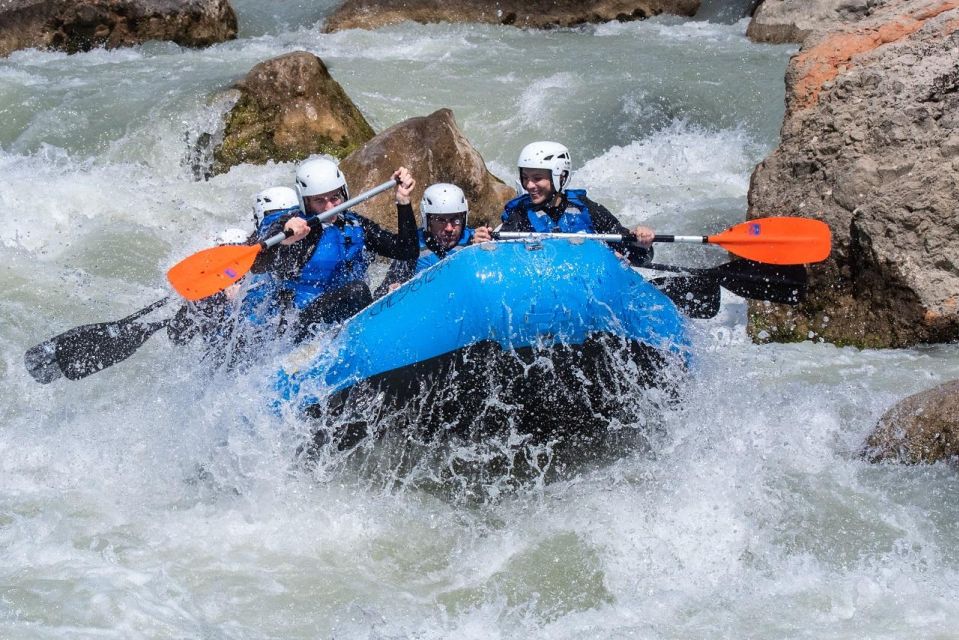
point(162, 498)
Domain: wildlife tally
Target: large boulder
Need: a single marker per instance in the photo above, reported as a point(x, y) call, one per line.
point(290, 108)
point(81, 25)
point(371, 14)
point(781, 21)
point(870, 145)
point(435, 150)
point(921, 428)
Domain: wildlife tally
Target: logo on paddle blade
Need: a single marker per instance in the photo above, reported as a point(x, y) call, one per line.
point(754, 229)
point(230, 273)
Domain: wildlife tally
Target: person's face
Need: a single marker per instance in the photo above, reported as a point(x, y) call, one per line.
point(323, 202)
point(447, 229)
point(538, 184)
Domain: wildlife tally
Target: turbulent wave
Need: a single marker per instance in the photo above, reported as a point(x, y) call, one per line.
point(489, 422)
point(163, 497)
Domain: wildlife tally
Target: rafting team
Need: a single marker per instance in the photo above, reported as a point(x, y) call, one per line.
point(318, 275)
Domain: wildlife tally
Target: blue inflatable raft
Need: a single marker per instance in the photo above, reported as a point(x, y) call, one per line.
point(543, 338)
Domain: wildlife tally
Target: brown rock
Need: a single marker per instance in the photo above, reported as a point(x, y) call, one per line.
point(81, 25)
point(921, 428)
point(780, 21)
point(371, 14)
point(290, 108)
point(867, 141)
point(435, 150)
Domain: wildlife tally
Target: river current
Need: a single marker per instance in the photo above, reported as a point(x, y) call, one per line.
point(156, 499)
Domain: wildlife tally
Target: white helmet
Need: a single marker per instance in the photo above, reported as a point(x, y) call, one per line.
point(547, 155)
point(316, 176)
point(273, 199)
point(443, 198)
point(231, 236)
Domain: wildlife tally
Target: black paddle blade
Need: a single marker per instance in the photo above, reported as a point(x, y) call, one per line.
point(41, 362)
point(90, 348)
point(94, 347)
point(695, 296)
point(782, 284)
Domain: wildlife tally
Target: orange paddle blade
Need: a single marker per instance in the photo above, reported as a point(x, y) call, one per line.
point(777, 240)
point(211, 270)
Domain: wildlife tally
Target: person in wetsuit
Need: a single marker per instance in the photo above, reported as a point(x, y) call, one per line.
point(548, 206)
point(321, 270)
point(217, 318)
point(210, 318)
point(445, 213)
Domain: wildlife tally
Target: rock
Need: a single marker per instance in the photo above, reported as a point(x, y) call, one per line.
point(921, 428)
point(867, 145)
point(371, 14)
point(435, 150)
point(781, 21)
point(290, 108)
point(81, 25)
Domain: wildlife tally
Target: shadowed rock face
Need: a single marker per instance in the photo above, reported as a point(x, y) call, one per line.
point(780, 21)
point(371, 14)
point(435, 150)
point(81, 25)
point(921, 428)
point(870, 145)
point(290, 108)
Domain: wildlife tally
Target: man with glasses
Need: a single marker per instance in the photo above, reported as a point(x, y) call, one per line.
point(322, 270)
point(445, 213)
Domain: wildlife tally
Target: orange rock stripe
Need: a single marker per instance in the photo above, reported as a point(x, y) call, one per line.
point(823, 62)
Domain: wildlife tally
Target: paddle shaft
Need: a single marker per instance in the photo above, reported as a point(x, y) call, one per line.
point(774, 240)
point(145, 310)
point(533, 235)
point(276, 239)
point(685, 239)
point(605, 237)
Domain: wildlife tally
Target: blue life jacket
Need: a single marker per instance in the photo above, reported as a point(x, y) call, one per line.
point(427, 258)
point(576, 218)
point(337, 260)
point(272, 217)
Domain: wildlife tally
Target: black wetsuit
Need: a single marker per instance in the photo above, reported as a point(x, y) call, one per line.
point(402, 270)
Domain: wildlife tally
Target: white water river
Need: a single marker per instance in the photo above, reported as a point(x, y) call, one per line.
point(751, 517)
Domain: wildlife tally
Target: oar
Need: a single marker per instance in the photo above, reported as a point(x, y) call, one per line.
point(694, 296)
point(768, 240)
point(696, 291)
point(91, 347)
point(783, 284)
point(215, 269)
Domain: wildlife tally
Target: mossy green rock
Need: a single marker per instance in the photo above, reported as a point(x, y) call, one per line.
point(290, 108)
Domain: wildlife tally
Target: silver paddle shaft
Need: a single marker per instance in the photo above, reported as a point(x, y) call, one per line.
point(605, 237)
point(332, 213)
point(525, 235)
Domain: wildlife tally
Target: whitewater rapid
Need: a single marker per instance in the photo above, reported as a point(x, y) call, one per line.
point(157, 499)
